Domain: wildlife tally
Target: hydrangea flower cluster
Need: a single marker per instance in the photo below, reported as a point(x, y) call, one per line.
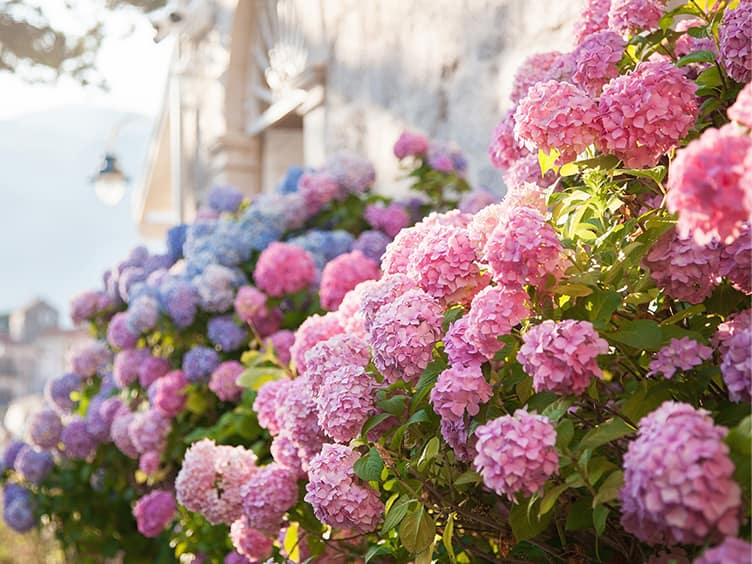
point(342, 275)
point(313, 330)
point(736, 366)
point(516, 453)
point(731, 551)
point(562, 357)
point(735, 34)
point(168, 393)
point(19, 508)
point(597, 58)
point(679, 354)
point(33, 465)
point(78, 443)
point(493, 313)
point(741, 110)
point(410, 144)
point(275, 273)
point(335, 494)
point(223, 381)
point(45, 428)
point(593, 18)
point(249, 543)
point(267, 495)
point(458, 390)
point(679, 467)
point(199, 363)
point(154, 512)
point(631, 16)
point(505, 149)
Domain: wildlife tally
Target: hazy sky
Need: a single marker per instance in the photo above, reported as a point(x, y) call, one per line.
point(55, 236)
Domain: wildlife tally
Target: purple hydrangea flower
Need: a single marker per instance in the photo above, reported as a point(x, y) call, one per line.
point(372, 244)
point(77, 441)
point(119, 334)
point(45, 428)
point(19, 508)
point(223, 331)
point(199, 363)
point(224, 199)
point(154, 512)
point(143, 313)
point(180, 300)
point(58, 391)
point(11, 453)
point(33, 464)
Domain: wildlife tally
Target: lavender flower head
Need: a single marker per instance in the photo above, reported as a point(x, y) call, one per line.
point(199, 363)
point(33, 464)
point(224, 199)
point(58, 391)
point(679, 354)
point(45, 428)
point(223, 332)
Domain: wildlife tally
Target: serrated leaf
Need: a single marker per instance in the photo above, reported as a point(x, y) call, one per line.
point(368, 467)
point(396, 513)
point(417, 530)
point(601, 306)
point(557, 409)
point(609, 490)
point(446, 538)
point(611, 430)
point(564, 434)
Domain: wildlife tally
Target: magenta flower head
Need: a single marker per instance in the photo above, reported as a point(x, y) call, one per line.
point(683, 269)
point(633, 16)
point(679, 354)
point(736, 258)
point(45, 428)
point(524, 249)
point(154, 512)
point(313, 330)
point(317, 189)
point(706, 188)
point(457, 346)
point(211, 480)
point(297, 417)
point(735, 34)
point(336, 494)
point(455, 433)
point(152, 368)
point(267, 495)
point(459, 390)
point(731, 551)
point(119, 334)
point(403, 335)
point(516, 454)
point(249, 543)
point(493, 313)
point(167, 394)
point(342, 275)
point(562, 357)
point(250, 306)
point(679, 466)
point(646, 113)
point(283, 268)
point(388, 218)
point(223, 379)
point(557, 115)
point(410, 144)
point(376, 294)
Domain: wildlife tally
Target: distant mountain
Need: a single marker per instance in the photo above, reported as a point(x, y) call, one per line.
point(56, 238)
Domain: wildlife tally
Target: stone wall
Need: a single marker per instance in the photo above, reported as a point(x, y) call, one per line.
point(443, 67)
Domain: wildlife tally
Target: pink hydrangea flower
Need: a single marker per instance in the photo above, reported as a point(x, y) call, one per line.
point(151, 369)
point(381, 292)
point(235, 558)
point(267, 496)
point(646, 113)
point(410, 144)
point(683, 269)
point(84, 306)
point(127, 365)
point(148, 462)
point(285, 452)
point(330, 355)
point(741, 111)
point(476, 200)
point(350, 316)
point(313, 330)
point(222, 381)
point(524, 249)
point(493, 313)
point(557, 115)
point(283, 268)
point(250, 306)
point(735, 34)
point(444, 265)
point(211, 480)
point(735, 323)
point(597, 58)
point(536, 68)
point(282, 341)
point(705, 185)
point(269, 399)
point(317, 189)
point(403, 335)
point(736, 366)
point(731, 551)
point(505, 149)
point(149, 430)
point(337, 497)
point(457, 346)
point(167, 394)
point(154, 512)
point(526, 195)
point(678, 479)
point(679, 354)
point(516, 453)
point(736, 260)
point(388, 218)
point(345, 401)
point(527, 170)
point(629, 17)
point(119, 431)
point(460, 389)
point(89, 358)
point(342, 275)
point(297, 416)
point(456, 436)
point(593, 18)
point(561, 357)
point(248, 542)
point(482, 225)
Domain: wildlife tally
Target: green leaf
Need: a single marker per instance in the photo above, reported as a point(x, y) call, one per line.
point(376, 550)
point(604, 162)
point(642, 334)
point(564, 434)
point(683, 314)
point(396, 513)
point(254, 378)
point(657, 174)
point(429, 452)
point(394, 405)
point(468, 477)
point(525, 522)
point(645, 399)
point(696, 57)
point(739, 440)
point(420, 416)
point(611, 430)
point(697, 31)
point(446, 538)
point(580, 515)
point(557, 409)
point(369, 467)
point(600, 306)
point(374, 421)
point(417, 530)
point(549, 500)
point(600, 516)
point(710, 78)
point(597, 467)
point(196, 402)
point(609, 490)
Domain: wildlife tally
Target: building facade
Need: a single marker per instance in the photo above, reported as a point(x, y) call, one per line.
point(258, 85)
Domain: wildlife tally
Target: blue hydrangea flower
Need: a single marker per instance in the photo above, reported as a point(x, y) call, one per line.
point(34, 464)
point(324, 245)
point(175, 241)
point(199, 363)
point(224, 199)
point(180, 300)
point(289, 183)
point(216, 287)
point(143, 313)
point(223, 331)
point(19, 508)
